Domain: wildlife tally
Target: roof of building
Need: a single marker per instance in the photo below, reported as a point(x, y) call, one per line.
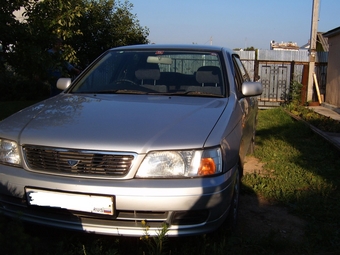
point(332, 32)
point(283, 46)
point(321, 40)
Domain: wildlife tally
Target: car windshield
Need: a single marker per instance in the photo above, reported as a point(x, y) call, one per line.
point(155, 72)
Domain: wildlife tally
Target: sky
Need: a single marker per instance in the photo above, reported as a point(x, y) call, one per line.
point(233, 23)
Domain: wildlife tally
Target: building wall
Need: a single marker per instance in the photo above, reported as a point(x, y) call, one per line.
point(333, 72)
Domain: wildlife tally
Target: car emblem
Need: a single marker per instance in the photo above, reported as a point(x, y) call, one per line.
point(72, 162)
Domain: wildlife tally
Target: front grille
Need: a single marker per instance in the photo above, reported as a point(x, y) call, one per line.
point(78, 162)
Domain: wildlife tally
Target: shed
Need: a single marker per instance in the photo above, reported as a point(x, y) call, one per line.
point(332, 97)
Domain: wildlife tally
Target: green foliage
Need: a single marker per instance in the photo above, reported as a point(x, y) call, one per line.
point(295, 93)
point(88, 28)
point(156, 244)
point(319, 121)
point(251, 48)
point(105, 25)
point(295, 107)
point(17, 87)
point(9, 26)
point(311, 117)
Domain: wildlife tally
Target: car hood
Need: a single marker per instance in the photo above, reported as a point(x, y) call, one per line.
point(135, 123)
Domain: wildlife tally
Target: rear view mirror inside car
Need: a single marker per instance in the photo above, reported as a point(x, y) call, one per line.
point(159, 60)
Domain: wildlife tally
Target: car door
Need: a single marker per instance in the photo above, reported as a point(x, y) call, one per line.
point(247, 104)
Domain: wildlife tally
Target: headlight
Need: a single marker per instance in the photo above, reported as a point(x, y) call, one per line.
point(9, 152)
point(179, 164)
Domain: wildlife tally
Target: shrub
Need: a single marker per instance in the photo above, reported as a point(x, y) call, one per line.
point(14, 87)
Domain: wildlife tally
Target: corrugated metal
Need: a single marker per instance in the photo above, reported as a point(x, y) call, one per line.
point(246, 55)
point(248, 60)
point(289, 56)
point(249, 66)
point(283, 55)
point(321, 57)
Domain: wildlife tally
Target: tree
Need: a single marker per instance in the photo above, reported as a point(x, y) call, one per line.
point(246, 49)
point(250, 48)
point(88, 27)
point(46, 21)
point(10, 29)
point(104, 25)
point(9, 26)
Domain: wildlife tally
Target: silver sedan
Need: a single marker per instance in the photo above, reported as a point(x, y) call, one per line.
point(147, 135)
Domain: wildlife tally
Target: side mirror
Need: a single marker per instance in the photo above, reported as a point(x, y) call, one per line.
point(63, 83)
point(250, 88)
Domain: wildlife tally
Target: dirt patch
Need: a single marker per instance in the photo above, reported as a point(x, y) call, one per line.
point(259, 217)
point(253, 165)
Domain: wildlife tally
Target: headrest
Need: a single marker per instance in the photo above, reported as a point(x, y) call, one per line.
point(208, 74)
point(148, 74)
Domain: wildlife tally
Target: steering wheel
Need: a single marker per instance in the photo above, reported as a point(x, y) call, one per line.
point(126, 80)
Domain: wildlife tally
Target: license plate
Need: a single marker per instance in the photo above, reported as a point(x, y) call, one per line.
point(71, 201)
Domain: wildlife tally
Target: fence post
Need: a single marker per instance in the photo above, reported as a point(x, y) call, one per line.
point(292, 71)
point(305, 74)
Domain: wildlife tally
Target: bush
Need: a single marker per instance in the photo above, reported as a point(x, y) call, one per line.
point(14, 87)
point(294, 106)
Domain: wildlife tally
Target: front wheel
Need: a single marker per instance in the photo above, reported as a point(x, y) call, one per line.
point(233, 210)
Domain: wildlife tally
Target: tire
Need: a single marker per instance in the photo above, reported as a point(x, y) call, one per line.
point(233, 210)
point(251, 148)
point(252, 144)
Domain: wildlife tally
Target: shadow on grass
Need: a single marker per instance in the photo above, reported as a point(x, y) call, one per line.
point(302, 174)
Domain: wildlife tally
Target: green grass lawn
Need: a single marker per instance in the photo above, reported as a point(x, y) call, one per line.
point(301, 174)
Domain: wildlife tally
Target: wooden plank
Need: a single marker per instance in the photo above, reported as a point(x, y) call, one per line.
point(317, 88)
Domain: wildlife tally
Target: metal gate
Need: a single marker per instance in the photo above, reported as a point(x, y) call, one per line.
point(275, 82)
point(277, 69)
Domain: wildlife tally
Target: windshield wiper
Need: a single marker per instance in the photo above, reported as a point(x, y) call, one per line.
point(191, 93)
point(127, 91)
point(113, 91)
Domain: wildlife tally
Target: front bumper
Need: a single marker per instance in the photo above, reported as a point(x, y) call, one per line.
point(187, 206)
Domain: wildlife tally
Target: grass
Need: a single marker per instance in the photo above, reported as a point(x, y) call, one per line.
point(301, 173)
point(319, 121)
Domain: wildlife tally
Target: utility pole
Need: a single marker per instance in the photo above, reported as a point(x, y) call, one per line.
point(312, 48)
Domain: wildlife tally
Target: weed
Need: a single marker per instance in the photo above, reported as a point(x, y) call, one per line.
point(294, 106)
point(155, 244)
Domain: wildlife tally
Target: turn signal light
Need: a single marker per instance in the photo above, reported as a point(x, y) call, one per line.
point(207, 167)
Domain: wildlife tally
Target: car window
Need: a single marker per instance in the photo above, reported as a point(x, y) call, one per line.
point(241, 74)
point(155, 72)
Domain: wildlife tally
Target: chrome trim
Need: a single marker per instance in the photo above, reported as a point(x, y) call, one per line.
point(80, 163)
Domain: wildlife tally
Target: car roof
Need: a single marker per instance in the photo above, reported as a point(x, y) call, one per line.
point(194, 47)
